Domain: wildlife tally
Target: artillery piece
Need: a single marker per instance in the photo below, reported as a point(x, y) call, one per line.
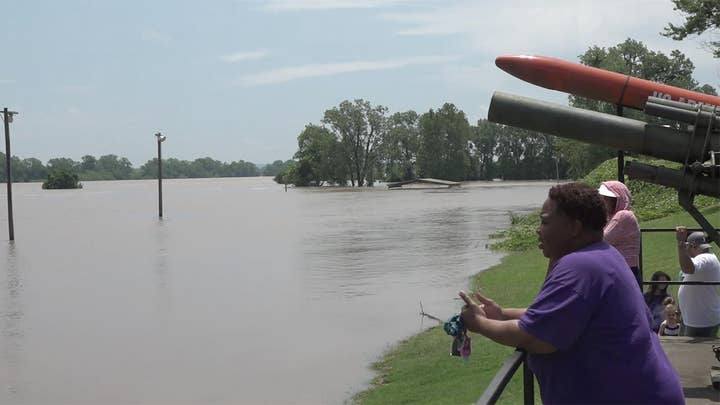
point(694, 141)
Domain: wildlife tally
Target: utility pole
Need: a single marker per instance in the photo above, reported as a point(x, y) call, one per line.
point(7, 118)
point(160, 139)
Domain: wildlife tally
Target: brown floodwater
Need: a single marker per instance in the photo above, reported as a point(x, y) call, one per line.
point(242, 294)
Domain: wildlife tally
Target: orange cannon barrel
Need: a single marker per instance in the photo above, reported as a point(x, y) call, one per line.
point(594, 83)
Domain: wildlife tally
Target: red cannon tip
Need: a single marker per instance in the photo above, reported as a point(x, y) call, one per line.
point(512, 63)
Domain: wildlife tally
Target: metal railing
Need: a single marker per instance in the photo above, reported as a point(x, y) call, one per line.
point(505, 374)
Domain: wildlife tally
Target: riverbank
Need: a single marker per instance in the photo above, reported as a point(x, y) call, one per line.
point(420, 369)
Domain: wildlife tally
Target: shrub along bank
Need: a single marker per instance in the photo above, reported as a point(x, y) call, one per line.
point(421, 370)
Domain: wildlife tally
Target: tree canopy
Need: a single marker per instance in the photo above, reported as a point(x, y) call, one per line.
point(61, 179)
point(700, 16)
point(358, 143)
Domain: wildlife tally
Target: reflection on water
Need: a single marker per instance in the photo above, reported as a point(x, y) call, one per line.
point(12, 322)
point(243, 293)
point(161, 268)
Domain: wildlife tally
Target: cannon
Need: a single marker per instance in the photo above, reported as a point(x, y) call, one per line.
point(693, 140)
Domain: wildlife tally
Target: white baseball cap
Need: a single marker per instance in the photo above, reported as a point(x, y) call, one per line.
point(603, 190)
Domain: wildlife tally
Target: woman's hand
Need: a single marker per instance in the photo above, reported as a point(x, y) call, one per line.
point(491, 308)
point(472, 314)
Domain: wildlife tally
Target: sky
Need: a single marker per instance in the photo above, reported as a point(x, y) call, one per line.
point(239, 79)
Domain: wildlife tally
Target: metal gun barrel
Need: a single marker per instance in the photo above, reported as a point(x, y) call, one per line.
point(598, 128)
point(676, 179)
point(670, 110)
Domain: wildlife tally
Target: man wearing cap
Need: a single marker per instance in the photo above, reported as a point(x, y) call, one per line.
point(699, 304)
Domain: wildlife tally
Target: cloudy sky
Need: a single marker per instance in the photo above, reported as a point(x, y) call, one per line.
point(239, 79)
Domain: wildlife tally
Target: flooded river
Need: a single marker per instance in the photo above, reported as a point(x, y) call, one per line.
point(243, 293)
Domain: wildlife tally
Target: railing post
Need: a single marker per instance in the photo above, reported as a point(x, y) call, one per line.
point(528, 384)
point(502, 377)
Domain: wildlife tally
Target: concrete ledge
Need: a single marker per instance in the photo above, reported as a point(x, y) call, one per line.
point(693, 359)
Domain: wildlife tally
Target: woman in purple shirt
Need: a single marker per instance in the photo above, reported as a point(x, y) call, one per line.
point(587, 333)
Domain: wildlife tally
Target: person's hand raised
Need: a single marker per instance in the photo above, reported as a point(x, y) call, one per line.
point(491, 308)
point(472, 313)
point(681, 234)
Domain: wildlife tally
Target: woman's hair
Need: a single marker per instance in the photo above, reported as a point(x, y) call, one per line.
point(650, 294)
point(581, 202)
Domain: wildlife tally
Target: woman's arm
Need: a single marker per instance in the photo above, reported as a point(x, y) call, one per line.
point(503, 331)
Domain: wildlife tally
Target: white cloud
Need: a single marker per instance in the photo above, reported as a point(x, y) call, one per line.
point(241, 56)
point(287, 74)
point(559, 26)
point(295, 5)
point(156, 36)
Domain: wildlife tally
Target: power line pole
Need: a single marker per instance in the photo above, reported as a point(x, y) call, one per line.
point(7, 118)
point(160, 139)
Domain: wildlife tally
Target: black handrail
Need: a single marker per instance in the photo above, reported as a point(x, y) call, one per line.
point(504, 375)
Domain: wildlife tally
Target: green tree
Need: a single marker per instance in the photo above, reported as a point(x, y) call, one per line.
point(316, 147)
point(276, 167)
point(88, 163)
point(287, 175)
point(34, 168)
point(360, 128)
point(700, 16)
point(23, 170)
point(400, 147)
point(242, 168)
point(116, 168)
point(444, 136)
point(203, 167)
point(61, 179)
point(65, 164)
point(483, 139)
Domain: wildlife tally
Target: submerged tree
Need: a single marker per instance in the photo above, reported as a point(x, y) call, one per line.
point(400, 148)
point(316, 150)
point(360, 128)
point(444, 136)
point(61, 179)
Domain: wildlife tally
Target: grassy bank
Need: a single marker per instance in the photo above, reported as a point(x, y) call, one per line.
point(420, 369)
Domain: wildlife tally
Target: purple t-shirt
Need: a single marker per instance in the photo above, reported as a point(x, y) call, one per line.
point(591, 310)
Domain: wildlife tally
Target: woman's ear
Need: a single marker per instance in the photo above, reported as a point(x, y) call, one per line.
point(576, 228)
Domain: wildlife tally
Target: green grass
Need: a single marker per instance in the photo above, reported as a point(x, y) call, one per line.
point(420, 369)
point(649, 201)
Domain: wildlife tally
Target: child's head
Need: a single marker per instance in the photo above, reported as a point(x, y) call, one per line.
point(671, 313)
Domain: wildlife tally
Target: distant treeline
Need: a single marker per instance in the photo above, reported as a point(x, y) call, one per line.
point(360, 143)
point(112, 167)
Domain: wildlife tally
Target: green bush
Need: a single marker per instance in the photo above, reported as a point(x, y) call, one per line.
point(61, 179)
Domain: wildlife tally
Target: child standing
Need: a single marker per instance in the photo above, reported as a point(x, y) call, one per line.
point(670, 326)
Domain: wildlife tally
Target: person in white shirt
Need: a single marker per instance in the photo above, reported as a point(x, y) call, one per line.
point(699, 304)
